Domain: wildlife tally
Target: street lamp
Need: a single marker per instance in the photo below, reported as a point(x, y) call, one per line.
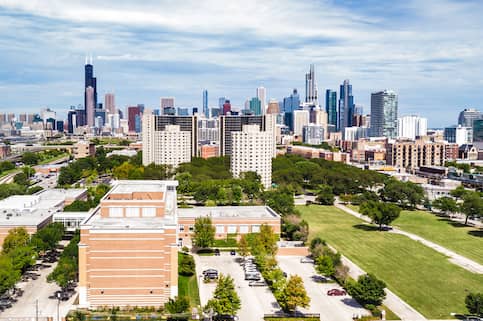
point(58, 305)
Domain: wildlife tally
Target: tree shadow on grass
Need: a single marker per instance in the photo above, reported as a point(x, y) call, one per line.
point(366, 227)
point(452, 223)
point(477, 233)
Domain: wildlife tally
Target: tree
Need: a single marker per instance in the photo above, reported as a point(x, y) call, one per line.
point(472, 205)
point(280, 200)
point(22, 257)
point(407, 194)
point(243, 248)
point(250, 183)
point(185, 183)
point(474, 303)
point(21, 179)
point(17, 237)
point(445, 204)
point(177, 305)
point(8, 274)
point(367, 290)
point(325, 265)
point(458, 192)
point(294, 228)
point(325, 195)
point(294, 295)
point(204, 232)
point(186, 265)
point(380, 213)
point(265, 242)
point(225, 299)
point(29, 158)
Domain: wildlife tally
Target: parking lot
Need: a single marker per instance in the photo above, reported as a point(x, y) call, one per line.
point(36, 293)
point(334, 308)
point(255, 301)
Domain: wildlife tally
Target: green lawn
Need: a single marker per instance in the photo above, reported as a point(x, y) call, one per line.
point(419, 275)
point(464, 240)
point(188, 286)
point(53, 159)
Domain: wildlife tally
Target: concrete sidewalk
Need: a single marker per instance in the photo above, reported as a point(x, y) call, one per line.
point(454, 257)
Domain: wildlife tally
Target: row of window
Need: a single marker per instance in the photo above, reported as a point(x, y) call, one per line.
point(132, 212)
point(230, 229)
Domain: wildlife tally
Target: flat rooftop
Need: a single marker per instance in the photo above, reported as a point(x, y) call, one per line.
point(250, 212)
point(125, 186)
point(96, 221)
point(59, 193)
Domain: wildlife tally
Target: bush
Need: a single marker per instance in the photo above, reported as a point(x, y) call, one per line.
point(187, 265)
point(367, 290)
point(178, 305)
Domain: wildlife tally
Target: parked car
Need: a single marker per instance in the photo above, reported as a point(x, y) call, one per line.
point(210, 271)
point(232, 252)
point(306, 260)
point(5, 304)
point(217, 252)
point(336, 292)
point(257, 283)
point(253, 276)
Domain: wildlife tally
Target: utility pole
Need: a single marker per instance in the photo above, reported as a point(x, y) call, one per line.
point(36, 310)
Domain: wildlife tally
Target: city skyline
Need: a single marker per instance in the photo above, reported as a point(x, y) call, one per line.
point(421, 50)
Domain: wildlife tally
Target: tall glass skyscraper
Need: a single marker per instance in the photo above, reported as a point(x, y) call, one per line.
point(331, 106)
point(384, 114)
point(256, 106)
point(290, 104)
point(90, 92)
point(206, 110)
point(346, 106)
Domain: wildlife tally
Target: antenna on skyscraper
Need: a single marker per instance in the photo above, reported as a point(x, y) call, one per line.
point(86, 59)
point(91, 59)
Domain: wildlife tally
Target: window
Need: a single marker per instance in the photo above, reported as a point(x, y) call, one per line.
point(149, 212)
point(231, 229)
point(115, 212)
point(181, 228)
point(191, 228)
point(255, 228)
point(220, 229)
point(132, 211)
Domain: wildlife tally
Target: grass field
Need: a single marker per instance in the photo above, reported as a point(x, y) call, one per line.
point(464, 240)
point(188, 286)
point(422, 277)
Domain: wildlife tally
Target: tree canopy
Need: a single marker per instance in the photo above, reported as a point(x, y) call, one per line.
point(380, 213)
point(225, 299)
point(204, 232)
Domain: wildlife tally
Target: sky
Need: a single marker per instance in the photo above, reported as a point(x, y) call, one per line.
point(430, 52)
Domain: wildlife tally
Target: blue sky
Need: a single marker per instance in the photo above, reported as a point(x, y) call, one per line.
point(430, 52)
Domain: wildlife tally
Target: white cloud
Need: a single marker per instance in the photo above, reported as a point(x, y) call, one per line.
point(250, 43)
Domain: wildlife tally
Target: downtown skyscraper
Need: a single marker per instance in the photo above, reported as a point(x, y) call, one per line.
point(206, 109)
point(311, 87)
point(346, 106)
point(384, 114)
point(90, 93)
point(331, 106)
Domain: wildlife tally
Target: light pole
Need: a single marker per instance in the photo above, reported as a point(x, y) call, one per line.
point(58, 306)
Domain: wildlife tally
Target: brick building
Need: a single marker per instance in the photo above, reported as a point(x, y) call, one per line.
point(128, 247)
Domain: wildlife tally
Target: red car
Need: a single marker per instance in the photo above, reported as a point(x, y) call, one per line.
point(336, 292)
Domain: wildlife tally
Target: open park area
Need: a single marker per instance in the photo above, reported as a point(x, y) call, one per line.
point(422, 277)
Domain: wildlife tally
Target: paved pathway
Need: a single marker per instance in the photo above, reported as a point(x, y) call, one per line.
point(454, 257)
point(392, 301)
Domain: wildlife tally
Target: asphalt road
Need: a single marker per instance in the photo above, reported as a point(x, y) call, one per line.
point(333, 308)
point(36, 293)
point(255, 301)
